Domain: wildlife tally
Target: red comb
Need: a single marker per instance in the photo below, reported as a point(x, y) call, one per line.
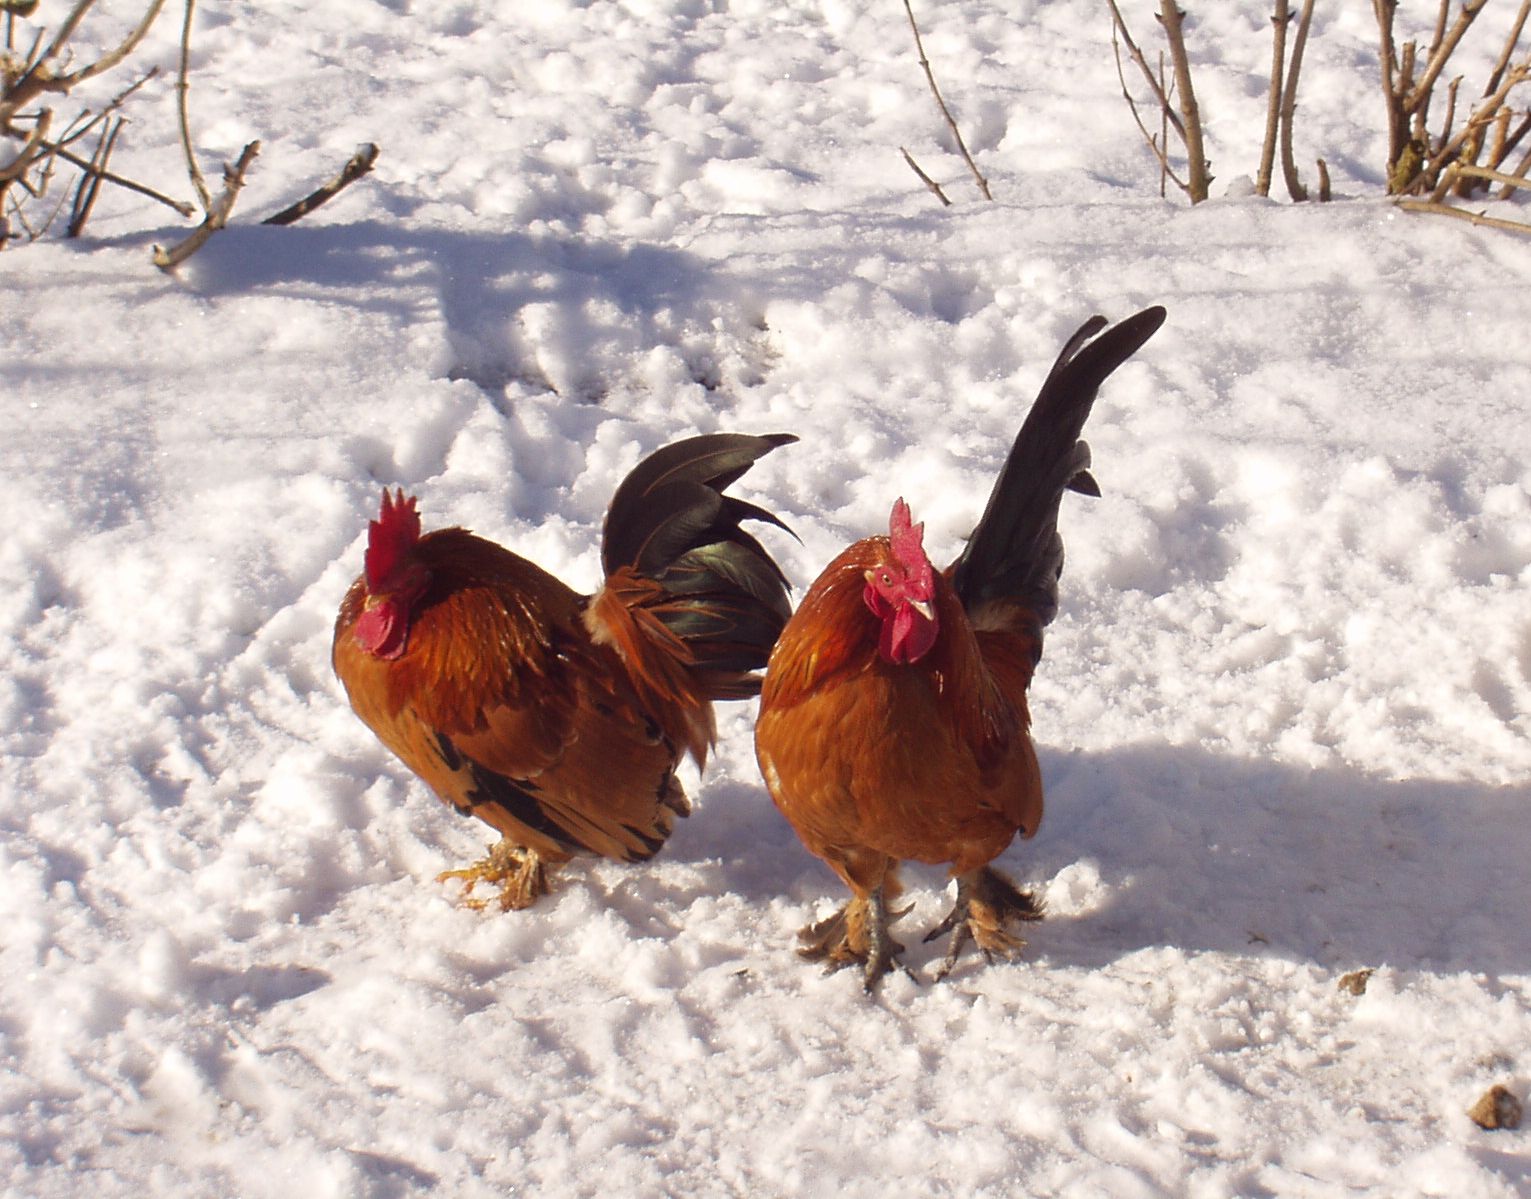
point(909, 544)
point(390, 537)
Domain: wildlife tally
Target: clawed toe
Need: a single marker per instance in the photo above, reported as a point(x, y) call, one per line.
point(857, 933)
point(519, 872)
point(987, 902)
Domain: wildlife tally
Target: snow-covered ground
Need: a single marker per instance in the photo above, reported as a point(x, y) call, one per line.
point(1284, 714)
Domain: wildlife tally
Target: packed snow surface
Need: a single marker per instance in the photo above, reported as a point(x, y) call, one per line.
point(1284, 714)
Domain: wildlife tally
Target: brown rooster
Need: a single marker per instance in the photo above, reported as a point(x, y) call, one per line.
point(558, 719)
point(893, 722)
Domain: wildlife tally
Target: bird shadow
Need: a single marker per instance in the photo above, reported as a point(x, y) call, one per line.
point(1153, 845)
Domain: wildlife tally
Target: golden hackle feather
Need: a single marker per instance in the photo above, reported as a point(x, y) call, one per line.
point(504, 707)
point(659, 664)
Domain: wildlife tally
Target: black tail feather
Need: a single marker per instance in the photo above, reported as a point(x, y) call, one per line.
point(669, 521)
point(668, 486)
point(1015, 550)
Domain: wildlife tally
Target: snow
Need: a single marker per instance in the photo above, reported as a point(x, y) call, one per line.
point(1284, 714)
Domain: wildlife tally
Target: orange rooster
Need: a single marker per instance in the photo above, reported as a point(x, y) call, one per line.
point(558, 719)
point(893, 722)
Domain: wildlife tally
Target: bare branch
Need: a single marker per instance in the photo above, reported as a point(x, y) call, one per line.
point(109, 60)
point(1294, 187)
point(1405, 82)
point(90, 181)
point(1440, 52)
point(1476, 218)
point(1160, 93)
point(1198, 178)
point(1510, 42)
point(1451, 107)
point(1448, 177)
point(29, 152)
point(39, 77)
point(85, 121)
point(35, 79)
point(983, 184)
point(1164, 129)
point(181, 206)
point(1280, 19)
point(1507, 145)
point(1497, 149)
point(1480, 117)
point(1385, 10)
point(183, 91)
point(66, 30)
point(1187, 121)
point(1442, 11)
point(1476, 172)
point(356, 166)
point(925, 179)
point(1416, 157)
point(36, 191)
point(1392, 89)
point(1158, 151)
point(217, 213)
point(1521, 172)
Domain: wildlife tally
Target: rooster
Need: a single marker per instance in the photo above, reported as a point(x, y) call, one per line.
point(893, 722)
point(555, 718)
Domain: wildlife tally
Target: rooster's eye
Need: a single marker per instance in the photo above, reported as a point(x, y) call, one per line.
point(885, 579)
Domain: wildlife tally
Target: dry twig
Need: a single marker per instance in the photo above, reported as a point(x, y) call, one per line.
point(924, 178)
point(1450, 178)
point(25, 174)
point(27, 79)
point(39, 77)
point(1280, 19)
point(1198, 179)
point(1476, 218)
point(919, 45)
point(1416, 156)
point(1512, 39)
point(182, 108)
point(1294, 185)
point(31, 149)
point(1161, 91)
point(1522, 171)
point(1187, 120)
point(1470, 171)
point(217, 213)
point(356, 166)
point(181, 206)
point(89, 186)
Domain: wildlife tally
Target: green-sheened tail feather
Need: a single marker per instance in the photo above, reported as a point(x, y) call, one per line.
point(714, 460)
point(726, 597)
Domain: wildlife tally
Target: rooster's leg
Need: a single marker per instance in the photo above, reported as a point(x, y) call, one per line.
point(987, 901)
point(858, 932)
point(519, 872)
point(882, 949)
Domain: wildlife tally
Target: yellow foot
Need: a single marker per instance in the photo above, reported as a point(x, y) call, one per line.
point(858, 932)
point(987, 901)
point(519, 872)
